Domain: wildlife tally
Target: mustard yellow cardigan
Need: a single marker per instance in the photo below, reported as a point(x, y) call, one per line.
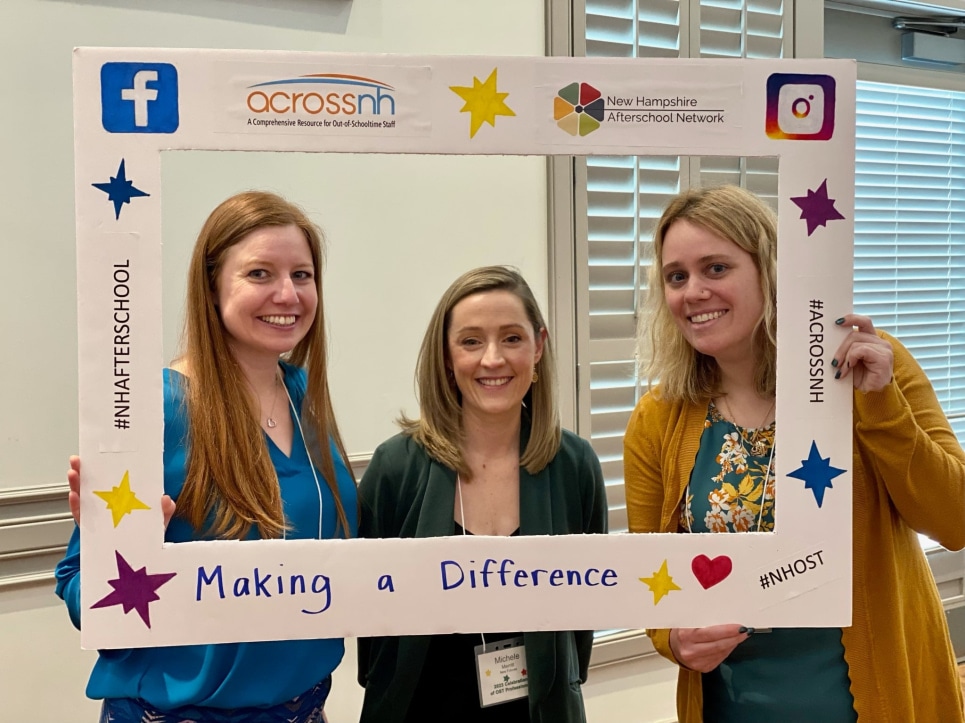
point(908, 477)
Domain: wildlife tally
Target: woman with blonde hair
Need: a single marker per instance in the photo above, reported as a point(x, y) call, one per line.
point(487, 456)
point(251, 451)
point(699, 456)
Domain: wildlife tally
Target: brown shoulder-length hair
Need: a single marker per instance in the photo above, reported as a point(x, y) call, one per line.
point(665, 355)
point(231, 483)
point(440, 428)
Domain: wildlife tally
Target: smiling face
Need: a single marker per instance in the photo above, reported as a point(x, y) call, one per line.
point(266, 292)
point(713, 290)
point(492, 349)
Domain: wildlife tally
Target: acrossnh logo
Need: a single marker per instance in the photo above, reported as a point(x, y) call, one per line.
point(139, 97)
point(800, 107)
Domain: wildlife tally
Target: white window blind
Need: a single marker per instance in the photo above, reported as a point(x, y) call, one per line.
point(910, 228)
point(626, 195)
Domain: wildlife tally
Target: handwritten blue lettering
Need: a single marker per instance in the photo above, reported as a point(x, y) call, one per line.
point(321, 585)
point(445, 577)
point(455, 574)
point(241, 586)
point(204, 579)
point(260, 588)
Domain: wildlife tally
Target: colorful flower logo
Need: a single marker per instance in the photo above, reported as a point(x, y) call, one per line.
point(578, 109)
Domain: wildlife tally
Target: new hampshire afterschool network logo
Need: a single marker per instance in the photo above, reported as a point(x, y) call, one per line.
point(139, 97)
point(579, 109)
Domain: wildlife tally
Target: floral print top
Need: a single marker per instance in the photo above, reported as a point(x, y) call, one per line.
point(727, 491)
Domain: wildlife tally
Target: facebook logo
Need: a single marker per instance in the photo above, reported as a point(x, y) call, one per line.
point(139, 97)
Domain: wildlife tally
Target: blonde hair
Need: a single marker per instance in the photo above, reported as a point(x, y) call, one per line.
point(665, 354)
point(439, 429)
point(231, 483)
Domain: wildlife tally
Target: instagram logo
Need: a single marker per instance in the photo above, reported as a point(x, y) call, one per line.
point(800, 107)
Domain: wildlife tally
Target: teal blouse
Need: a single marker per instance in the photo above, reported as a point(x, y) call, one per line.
point(792, 675)
point(225, 676)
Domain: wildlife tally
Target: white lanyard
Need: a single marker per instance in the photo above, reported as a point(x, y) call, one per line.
point(500, 671)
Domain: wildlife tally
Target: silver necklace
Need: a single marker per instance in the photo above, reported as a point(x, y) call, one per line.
point(270, 420)
point(744, 442)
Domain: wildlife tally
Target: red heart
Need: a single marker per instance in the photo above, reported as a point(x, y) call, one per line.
point(710, 572)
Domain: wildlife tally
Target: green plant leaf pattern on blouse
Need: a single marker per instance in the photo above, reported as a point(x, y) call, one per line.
point(727, 491)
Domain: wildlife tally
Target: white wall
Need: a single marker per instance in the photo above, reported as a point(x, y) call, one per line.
point(42, 670)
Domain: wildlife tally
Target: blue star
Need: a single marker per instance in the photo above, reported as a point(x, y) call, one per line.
point(120, 190)
point(816, 208)
point(817, 473)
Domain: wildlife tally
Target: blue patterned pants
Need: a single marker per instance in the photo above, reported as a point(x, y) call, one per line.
point(305, 708)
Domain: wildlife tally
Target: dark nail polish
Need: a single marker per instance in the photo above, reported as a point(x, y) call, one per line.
point(837, 374)
point(742, 629)
point(840, 321)
point(750, 631)
point(834, 362)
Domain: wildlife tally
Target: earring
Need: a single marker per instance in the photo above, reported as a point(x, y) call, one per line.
point(535, 377)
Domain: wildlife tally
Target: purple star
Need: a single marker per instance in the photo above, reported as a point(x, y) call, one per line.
point(119, 190)
point(816, 208)
point(817, 473)
point(134, 589)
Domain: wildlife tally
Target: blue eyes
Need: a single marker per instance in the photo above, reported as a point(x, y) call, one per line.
point(263, 274)
point(675, 278)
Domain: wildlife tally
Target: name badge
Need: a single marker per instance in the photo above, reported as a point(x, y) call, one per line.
point(501, 671)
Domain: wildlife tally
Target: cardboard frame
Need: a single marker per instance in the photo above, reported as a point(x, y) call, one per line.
point(132, 104)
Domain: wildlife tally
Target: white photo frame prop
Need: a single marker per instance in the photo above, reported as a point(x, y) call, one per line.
point(132, 104)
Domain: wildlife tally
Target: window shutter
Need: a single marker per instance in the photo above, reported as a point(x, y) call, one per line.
point(910, 228)
point(742, 29)
point(624, 29)
point(626, 195)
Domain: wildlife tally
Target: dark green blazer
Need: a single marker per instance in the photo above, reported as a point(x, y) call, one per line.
point(405, 493)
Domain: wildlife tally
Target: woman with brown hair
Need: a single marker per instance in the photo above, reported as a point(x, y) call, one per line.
point(700, 456)
point(486, 457)
point(251, 451)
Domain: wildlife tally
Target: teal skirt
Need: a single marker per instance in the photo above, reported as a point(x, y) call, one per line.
point(791, 675)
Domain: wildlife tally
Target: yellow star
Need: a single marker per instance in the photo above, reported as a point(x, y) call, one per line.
point(488, 673)
point(660, 584)
point(483, 102)
point(120, 500)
